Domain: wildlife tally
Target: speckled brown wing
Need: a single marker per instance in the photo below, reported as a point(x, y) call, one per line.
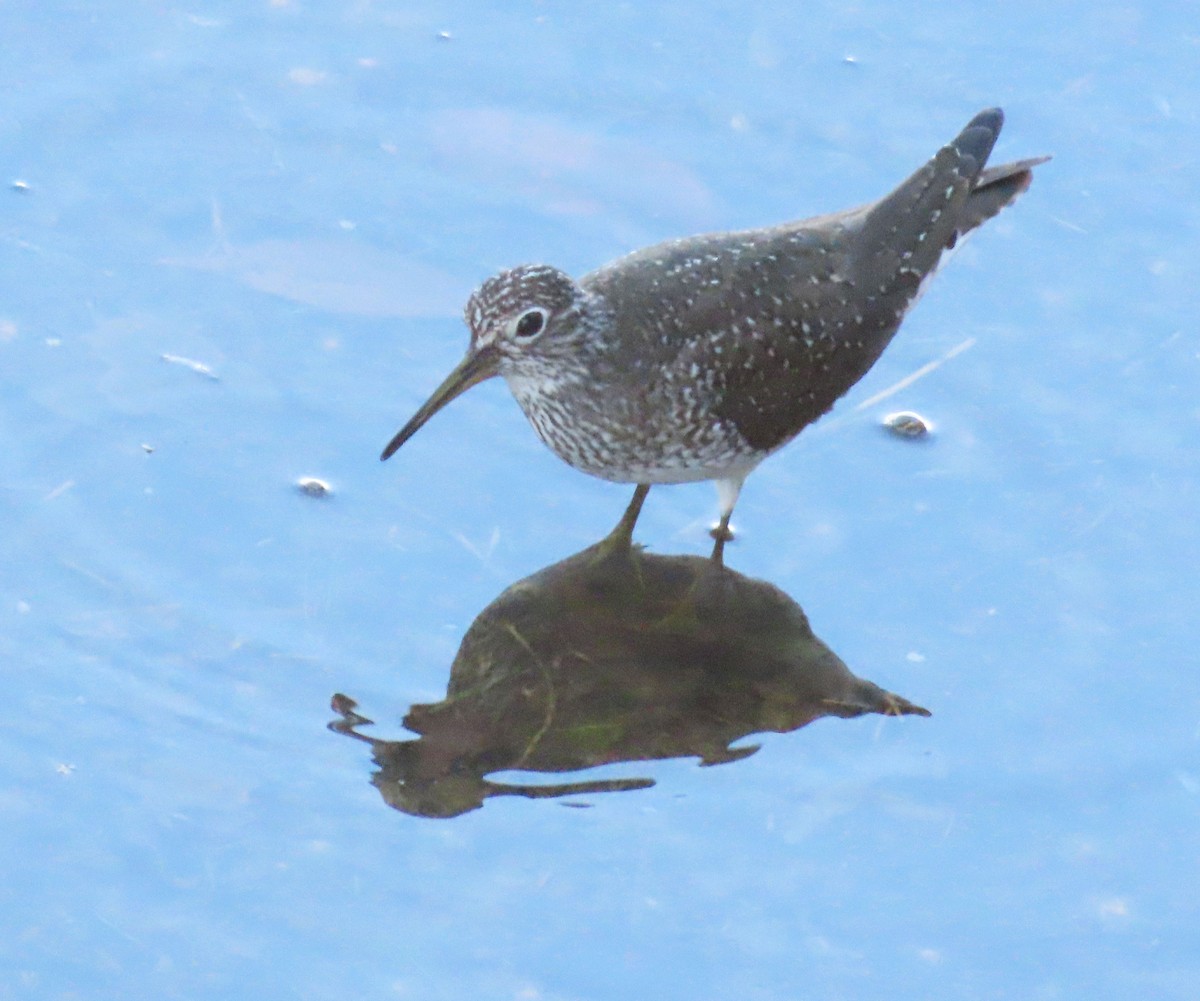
point(836, 329)
point(781, 337)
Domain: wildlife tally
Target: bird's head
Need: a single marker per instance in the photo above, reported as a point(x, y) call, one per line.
point(524, 323)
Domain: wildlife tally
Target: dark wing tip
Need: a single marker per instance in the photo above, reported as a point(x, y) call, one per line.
point(988, 118)
point(979, 136)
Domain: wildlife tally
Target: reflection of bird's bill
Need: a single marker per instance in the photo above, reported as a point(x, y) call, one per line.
point(346, 708)
point(478, 366)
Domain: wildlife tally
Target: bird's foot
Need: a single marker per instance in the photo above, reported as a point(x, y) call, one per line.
point(722, 533)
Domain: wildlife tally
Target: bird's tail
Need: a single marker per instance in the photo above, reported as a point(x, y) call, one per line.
point(996, 188)
point(906, 233)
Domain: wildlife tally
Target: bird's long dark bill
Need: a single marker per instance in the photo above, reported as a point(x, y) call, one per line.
point(472, 370)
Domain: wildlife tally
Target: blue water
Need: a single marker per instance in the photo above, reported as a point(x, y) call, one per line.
point(234, 243)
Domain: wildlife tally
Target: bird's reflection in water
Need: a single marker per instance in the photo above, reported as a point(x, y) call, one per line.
point(613, 655)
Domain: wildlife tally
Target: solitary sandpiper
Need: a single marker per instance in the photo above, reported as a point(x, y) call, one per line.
point(697, 358)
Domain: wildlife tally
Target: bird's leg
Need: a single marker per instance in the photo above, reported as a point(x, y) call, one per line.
point(727, 494)
point(722, 534)
point(621, 537)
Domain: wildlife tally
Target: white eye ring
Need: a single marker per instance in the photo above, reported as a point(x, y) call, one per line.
point(528, 325)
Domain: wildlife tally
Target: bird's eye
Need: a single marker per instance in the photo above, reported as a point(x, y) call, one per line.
point(530, 324)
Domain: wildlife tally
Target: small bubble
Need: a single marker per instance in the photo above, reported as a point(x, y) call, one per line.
point(20, 186)
point(307, 76)
point(310, 486)
point(1113, 907)
point(906, 424)
point(444, 36)
point(196, 366)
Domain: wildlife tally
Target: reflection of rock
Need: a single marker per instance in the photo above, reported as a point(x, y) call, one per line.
point(615, 656)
